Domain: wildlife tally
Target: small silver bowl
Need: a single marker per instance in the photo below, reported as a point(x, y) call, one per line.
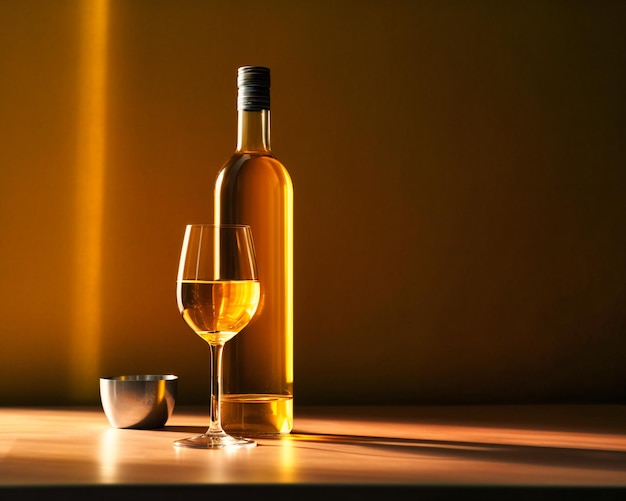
point(143, 402)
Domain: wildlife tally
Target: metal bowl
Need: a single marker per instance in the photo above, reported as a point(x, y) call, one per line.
point(144, 401)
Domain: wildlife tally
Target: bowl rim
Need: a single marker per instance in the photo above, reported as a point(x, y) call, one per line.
point(141, 378)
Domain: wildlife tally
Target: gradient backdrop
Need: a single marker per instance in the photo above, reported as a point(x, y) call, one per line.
point(460, 191)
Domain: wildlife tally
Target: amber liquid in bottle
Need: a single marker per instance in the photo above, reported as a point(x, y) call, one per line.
point(254, 188)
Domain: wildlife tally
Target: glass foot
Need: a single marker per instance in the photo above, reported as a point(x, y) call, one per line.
point(215, 441)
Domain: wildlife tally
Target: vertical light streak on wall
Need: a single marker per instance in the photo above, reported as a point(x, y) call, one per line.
point(91, 121)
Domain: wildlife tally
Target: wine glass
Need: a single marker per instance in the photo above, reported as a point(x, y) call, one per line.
point(218, 293)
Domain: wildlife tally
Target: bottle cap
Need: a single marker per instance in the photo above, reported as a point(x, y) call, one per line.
point(253, 83)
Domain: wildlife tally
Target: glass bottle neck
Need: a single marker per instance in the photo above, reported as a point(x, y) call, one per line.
point(253, 131)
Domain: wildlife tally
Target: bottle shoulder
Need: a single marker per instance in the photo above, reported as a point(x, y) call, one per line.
point(243, 164)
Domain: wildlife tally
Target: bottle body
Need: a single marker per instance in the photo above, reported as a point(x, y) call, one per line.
point(254, 188)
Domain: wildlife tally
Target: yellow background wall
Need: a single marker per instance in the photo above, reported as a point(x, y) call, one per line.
point(459, 179)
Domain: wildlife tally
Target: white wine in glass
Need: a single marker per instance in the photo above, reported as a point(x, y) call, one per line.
point(218, 293)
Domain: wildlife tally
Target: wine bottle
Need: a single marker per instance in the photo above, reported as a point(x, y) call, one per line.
point(253, 187)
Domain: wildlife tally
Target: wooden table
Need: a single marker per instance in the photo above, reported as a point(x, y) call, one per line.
point(500, 452)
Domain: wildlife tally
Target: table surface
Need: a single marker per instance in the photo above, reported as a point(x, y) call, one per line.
point(570, 446)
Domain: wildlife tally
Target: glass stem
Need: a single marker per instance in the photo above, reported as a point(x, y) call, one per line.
point(215, 426)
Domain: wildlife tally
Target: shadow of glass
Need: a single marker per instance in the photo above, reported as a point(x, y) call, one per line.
point(575, 457)
point(185, 429)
